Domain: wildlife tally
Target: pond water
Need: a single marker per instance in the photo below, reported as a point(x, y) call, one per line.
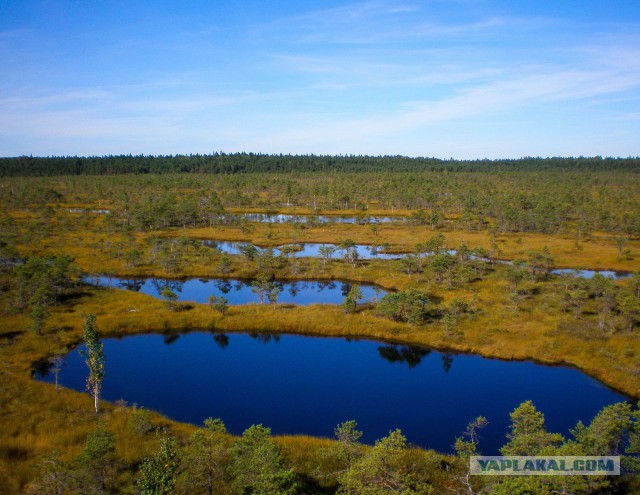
point(301, 292)
point(366, 252)
point(590, 273)
point(282, 218)
point(304, 250)
point(307, 385)
point(87, 210)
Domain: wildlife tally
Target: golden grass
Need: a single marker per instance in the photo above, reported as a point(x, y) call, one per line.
point(66, 416)
point(36, 419)
point(599, 252)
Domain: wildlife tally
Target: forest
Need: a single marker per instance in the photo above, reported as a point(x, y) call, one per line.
point(234, 163)
point(533, 260)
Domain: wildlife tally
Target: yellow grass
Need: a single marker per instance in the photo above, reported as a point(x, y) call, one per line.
point(39, 420)
point(36, 419)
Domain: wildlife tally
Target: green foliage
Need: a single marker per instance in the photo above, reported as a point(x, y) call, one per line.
point(634, 283)
point(140, 421)
point(258, 467)
point(440, 264)
point(241, 163)
point(53, 477)
point(219, 304)
point(326, 253)
point(528, 435)
point(515, 273)
point(418, 218)
point(224, 265)
point(249, 251)
point(169, 296)
point(266, 289)
point(465, 447)
point(96, 460)
point(39, 308)
point(434, 245)
point(347, 446)
point(411, 264)
point(352, 298)
point(41, 281)
point(383, 470)
point(158, 472)
point(207, 459)
point(540, 264)
point(409, 306)
point(614, 431)
point(350, 252)
point(630, 311)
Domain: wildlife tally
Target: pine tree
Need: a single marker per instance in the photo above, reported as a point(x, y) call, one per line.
point(158, 473)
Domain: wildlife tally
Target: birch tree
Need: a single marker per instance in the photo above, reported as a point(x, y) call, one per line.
point(95, 359)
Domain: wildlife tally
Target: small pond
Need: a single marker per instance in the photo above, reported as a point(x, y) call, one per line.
point(283, 218)
point(590, 273)
point(87, 210)
point(307, 385)
point(198, 290)
point(367, 252)
point(305, 250)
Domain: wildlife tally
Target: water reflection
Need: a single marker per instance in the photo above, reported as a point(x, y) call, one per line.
point(159, 284)
point(171, 338)
point(42, 367)
point(303, 250)
point(132, 284)
point(317, 219)
point(223, 286)
point(242, 291)
point(366, 252)
point(221, 339)
point(447, 361)
point(265, 337)
point(411, 355)
point(306, 385)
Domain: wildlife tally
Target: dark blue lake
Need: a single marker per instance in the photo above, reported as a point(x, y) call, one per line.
point(307, 385)
point(301, 292)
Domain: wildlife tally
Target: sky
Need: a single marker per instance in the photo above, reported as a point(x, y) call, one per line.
point(460, 79)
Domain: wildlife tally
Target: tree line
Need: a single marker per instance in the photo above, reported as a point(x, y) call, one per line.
point(234, 163)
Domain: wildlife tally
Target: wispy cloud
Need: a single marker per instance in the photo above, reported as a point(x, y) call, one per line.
point(483, 100)
point(373, 22)
point(361, 76)
point(351, 71)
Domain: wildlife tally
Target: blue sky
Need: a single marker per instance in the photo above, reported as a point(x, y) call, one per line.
point(443, 78)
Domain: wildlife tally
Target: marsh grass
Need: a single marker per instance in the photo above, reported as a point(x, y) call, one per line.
point(37, 420)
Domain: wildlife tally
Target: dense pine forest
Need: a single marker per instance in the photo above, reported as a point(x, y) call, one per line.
point(232, 163)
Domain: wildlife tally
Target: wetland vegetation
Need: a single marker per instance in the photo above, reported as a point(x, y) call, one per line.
point(444, 286)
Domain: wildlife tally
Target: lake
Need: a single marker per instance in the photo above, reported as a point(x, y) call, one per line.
point(307, 385)
point(198, 290)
